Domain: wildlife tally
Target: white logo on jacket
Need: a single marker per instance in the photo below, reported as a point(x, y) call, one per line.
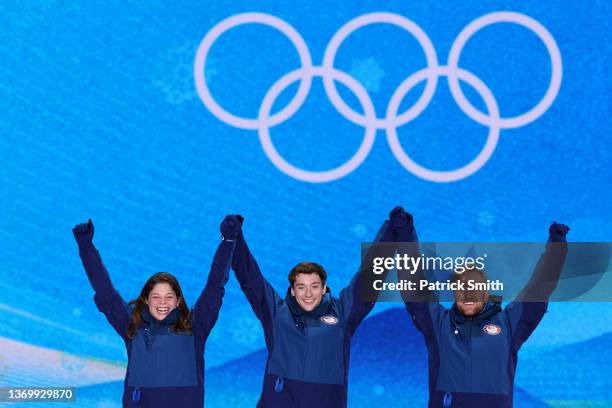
point(329, 319)
point(491, 329)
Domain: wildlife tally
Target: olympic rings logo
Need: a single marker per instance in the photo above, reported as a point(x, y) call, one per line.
point(369, 120)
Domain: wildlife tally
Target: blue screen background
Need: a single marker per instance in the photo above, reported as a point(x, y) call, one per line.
point(100, 119)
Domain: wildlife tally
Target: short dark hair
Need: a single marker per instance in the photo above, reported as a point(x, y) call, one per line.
point(307, 268)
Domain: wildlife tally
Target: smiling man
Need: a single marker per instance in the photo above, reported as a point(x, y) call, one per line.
point(470, 302)
point(473, 346)
point(308, 332)
point(307, 285)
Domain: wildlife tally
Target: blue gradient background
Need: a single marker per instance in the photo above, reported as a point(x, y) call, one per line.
point(99, 118)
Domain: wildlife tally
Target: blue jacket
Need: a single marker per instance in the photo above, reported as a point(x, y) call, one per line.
point(472, 361)
point(308, 352)
point(165, 368)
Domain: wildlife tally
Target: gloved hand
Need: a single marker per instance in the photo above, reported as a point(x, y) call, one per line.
point(83, 233)
point(400, 219)
point(557, 232)
point(231, 226)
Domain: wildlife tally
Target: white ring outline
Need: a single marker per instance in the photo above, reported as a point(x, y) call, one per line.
point(326, 175)
point(391, 121)
point(227, 24)
point(553, 51)
point(476, 163)
point(380, 18)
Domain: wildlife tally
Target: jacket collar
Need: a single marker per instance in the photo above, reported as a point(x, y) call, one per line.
point(152, 321)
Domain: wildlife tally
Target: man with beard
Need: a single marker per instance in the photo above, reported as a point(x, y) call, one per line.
point(473, 346)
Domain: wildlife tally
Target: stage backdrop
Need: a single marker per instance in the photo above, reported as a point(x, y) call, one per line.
point(486, 120)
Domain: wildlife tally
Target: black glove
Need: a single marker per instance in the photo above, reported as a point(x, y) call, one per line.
point(557, 232)
point(400, 219)
point(231, 226)
point(83, 233)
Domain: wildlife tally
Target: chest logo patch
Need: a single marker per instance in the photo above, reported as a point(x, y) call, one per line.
point(329, 319)
point(491, 329)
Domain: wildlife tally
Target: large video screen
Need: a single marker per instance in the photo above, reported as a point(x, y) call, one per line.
point(486, 121)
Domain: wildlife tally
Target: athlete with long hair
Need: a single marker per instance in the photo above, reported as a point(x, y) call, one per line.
point(163, 337)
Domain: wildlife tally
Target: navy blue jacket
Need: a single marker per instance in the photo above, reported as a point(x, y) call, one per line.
point(165, 368)
point(308, 352)
point(472, 361)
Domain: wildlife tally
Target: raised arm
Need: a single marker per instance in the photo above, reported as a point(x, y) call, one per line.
point(107, 299)
point(409, 244)
point(261, 295)
point(529, 307)
point(422, 305)
point(358, 298)
point(545, 276)
point(207, 307)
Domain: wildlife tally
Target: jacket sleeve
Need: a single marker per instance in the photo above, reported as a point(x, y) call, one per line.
point(423, 306)
point(355, 299)
point(107, 299)
point(425, 316)
point(527, 310)
point(207, 307)
point(261, 295)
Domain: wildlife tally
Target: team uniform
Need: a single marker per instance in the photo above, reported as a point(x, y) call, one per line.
point(165, 368)
point(472, 360)
point(308, 352)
